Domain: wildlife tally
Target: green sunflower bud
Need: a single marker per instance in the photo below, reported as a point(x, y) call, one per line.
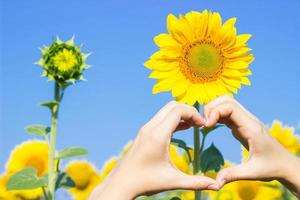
point(63, 62)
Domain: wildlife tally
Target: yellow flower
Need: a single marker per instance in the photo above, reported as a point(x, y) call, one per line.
point(248, 190)
point(187, 195)
point(200, 58)
point(65, 60)
point(4, 194)
point(285, 136)
point(180, 159)
point(85, 176)
point(108, 167)
point(32, 153)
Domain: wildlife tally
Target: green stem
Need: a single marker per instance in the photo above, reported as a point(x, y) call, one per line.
point(45, 193)
point(52, 174)
point(196, 163)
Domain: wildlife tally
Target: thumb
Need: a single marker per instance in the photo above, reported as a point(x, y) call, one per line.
point(195, 182)
point(239, 172)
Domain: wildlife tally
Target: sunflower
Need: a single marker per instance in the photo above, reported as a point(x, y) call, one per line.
point(4, 194)
point(85, 176)
point(286, 136)
point(200, 58)
point(32, 153)
point(180, 160)
point(248, 190)
point(63, 61)
point(108, 167)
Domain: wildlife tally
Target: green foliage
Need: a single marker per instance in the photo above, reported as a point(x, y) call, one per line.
point(38, 130)
point(71, 152)
point(183, 145)
point(64, 181)
point(206, 131)
point(49, 104)
point(211, 159)
point(26, 179)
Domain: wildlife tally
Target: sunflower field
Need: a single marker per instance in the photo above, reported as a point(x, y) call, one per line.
point(99, 94)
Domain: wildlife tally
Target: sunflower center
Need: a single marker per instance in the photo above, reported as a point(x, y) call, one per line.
point(247, 191)
point(65, 60)
point(36, 163)
point(202, 61)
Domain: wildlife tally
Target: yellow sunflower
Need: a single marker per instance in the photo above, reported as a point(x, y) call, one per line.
point(85, 176)
point(32, 153)
point(180, 160)
point(4, 194)
point(248, 190)
point(285, 136)
point(200, 58)
point(108, 167)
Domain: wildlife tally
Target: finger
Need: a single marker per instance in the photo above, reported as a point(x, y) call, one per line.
point(189, 182)
point(183, 125)
point(239, 172)
point(161, 113)
point(228, 110)
point(208, 107)
point(181, 112)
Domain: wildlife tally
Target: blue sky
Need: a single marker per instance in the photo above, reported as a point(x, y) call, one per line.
point(105, 112)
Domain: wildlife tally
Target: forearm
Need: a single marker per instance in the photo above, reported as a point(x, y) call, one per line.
point(113, 189)
point(291, 179)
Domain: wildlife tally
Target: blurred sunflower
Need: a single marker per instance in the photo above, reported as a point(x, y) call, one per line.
point(108, 167)
point(284, 135)
point(248, 190)
point(63, 61)
point(180, 159)
point(32, 153)
point(4, 194)
point(84, 182)
point(200, 58)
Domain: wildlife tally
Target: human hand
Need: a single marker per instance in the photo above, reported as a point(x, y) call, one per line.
point(268, 159)
point(147, 167)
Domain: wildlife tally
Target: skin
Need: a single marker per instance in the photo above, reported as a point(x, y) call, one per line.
point(268, 159)
point(147, 169)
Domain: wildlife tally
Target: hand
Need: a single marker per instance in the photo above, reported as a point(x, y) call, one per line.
point(268, 159)
point(147, 168)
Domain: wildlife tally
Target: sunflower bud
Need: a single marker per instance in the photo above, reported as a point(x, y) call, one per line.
point(63, 61)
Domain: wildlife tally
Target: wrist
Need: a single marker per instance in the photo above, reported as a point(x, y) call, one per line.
point(115, 187)
point(290, 177)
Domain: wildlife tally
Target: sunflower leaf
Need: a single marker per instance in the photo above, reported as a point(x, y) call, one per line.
point(206, 131)
point(26, 179)
point(38, 130)
point(211, 159)
point(64, 181)
point(71, 152)
point(49, 104)
point(183, 145)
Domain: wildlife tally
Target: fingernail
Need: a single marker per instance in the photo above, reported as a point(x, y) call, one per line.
point(213, 186)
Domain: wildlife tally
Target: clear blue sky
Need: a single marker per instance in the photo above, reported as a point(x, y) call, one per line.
point(105, 112)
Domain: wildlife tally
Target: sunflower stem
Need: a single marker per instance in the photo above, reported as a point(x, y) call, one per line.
point(196, 163)
point(52, 175)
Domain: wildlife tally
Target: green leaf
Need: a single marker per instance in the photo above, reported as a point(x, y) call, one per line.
point(26, 179)
point(71, 152)
point(206, 131)
point(175, 198)
point(64, 181)
point(49, 104)
point(39, 130)
point(211, 159)
point(183, 145)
